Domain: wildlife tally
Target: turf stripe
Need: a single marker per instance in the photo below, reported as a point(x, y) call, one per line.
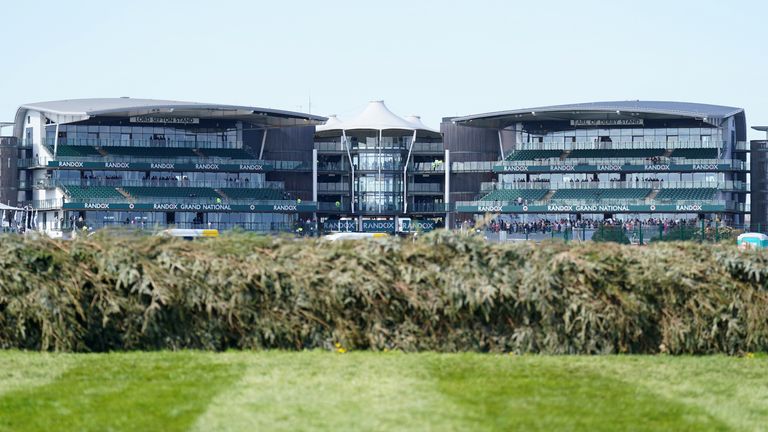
point(22, 370)
point(149, 391)
point(547, 393)
point(732, 389)
point(317, 391)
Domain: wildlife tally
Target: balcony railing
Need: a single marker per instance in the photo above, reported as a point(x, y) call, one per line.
point(333, 207)
point(729, 205)
point(425, 188)
point(480, 166)
point(422, 147)
point(429, 207)
point(277, 164)
point(654, 184)
point(369, 207)
point(333, 187)
point(618, 145)
point(735, 164)
point(216, 184)
point(332, 166)
point(186, 200)
point(154, 143)
point(741, 146)
point(29, 163)
point(330, 146)
point(427, 167)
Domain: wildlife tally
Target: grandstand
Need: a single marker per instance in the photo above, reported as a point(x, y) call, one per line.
point(600, 194)
point(92, 192)
point(171, 192)
point(253, 193)
point(616, 159)
point(120, 160)
point(616, 153)
point(514, 194)
point(686, 194)
point(695, 153)
point(531, 155)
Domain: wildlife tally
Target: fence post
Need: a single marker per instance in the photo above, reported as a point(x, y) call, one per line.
point(641, 232)
point(717, 231)
point(702, 232)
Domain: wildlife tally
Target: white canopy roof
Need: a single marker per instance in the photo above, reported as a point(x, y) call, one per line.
point(375, 116)
point(416, 121)
point(7, 207)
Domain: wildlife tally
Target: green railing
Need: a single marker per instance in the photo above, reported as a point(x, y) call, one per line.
point(619, 145)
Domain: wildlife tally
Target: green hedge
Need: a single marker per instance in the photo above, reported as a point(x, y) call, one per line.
point(444, 292)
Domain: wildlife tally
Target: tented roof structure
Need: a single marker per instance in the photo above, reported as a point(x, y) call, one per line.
point(7, 207)
point(375, 116)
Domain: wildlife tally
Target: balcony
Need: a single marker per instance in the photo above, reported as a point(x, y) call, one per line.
point(334, 207)
point(590, 162)
point(429, 207)
point(341, 167)
point(119, 182)
point(618, 145)
point(276, 164)
point(425, 189)
point(583, 206)
point(333, 187)
point(29, 163)
point(168, 143)
point(427, 167)
point(428, 148)
point(378, 208)
point(471, 167)
point(330, 147)
point(728, 185)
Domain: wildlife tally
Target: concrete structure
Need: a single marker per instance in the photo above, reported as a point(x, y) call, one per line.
point(609, 160)
point(759, 181)
point(90, 163)
point(378, 167)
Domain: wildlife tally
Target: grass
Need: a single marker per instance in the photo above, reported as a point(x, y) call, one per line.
point(379, 391)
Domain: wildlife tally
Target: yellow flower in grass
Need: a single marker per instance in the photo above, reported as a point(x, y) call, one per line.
point(749, 355)
point(341, 350)
point(337, 345)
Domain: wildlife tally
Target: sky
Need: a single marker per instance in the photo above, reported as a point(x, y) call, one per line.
point(431, 58)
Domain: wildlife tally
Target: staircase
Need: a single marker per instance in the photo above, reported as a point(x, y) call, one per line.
point(548, 196)
point(124, 193)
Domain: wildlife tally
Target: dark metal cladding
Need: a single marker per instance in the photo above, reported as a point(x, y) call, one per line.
point(9, 176)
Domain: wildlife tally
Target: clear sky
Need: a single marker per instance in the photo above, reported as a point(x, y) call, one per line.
point(433, 58)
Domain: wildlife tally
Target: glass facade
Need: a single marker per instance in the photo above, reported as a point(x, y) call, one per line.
point(376, 175)
point(628, 136)
point(189, 136)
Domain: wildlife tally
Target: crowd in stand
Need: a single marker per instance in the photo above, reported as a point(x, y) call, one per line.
point(546, 226)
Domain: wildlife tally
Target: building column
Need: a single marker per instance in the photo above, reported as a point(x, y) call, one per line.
point(447, 186)
point(314, 180)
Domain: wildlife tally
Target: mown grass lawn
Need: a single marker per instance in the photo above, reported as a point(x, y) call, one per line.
point(379, 391)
